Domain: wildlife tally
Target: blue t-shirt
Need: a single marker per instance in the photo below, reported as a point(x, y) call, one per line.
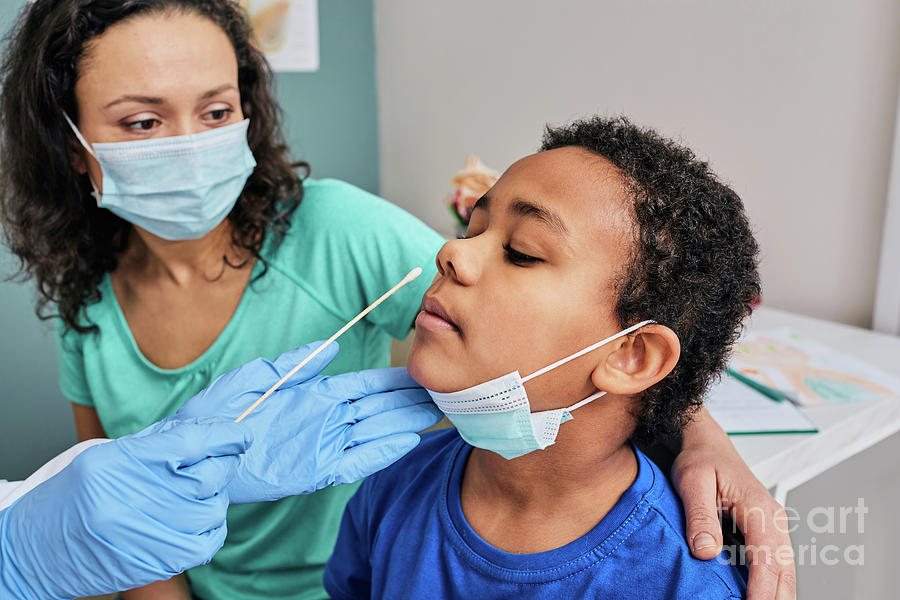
point(404, 535)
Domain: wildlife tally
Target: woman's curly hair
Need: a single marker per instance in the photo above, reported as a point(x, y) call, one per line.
point(50, 220)
point(693, 267)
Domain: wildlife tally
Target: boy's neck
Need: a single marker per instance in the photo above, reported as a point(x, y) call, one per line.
point(548, 498)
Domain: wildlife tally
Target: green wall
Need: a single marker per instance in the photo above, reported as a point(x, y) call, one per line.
point(331, 118)
point(330, 122)
point(36, 422)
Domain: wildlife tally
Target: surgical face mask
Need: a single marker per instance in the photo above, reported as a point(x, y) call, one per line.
point(178, 188)
point(496, 415)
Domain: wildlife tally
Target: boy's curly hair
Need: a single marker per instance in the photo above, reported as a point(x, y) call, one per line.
point(693, 267)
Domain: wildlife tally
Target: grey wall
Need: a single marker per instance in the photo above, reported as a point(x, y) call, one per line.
point(793, 102)
point(873, 476)
point(330, 121)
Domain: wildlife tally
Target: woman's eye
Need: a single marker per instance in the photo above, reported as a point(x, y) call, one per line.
point(518, 258)
point(143, 124)
point(219, 114)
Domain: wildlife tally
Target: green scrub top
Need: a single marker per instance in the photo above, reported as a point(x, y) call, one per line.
point(344, 248)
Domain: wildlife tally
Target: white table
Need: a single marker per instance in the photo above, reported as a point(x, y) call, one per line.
point(784, 461)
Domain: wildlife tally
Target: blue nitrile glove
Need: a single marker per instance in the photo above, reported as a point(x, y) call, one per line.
point(124, 513)
point(315, 431)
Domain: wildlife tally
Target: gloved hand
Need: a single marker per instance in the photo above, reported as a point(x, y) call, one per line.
point(315, 431)
point(124, 513)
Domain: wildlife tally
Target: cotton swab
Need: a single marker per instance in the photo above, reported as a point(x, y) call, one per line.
point(409, 277)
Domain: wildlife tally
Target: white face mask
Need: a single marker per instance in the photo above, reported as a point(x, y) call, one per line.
point(178, 187)
point(496, 415)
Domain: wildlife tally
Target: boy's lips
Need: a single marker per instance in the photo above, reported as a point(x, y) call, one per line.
point(434, 317)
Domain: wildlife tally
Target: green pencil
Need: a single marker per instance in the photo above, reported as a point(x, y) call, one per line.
point(762, 389)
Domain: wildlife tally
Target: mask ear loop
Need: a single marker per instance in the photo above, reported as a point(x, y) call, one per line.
point(590, 348)
point(587, 400)
point(96, 192)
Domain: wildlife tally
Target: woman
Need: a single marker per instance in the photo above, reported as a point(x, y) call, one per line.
point(165, 271)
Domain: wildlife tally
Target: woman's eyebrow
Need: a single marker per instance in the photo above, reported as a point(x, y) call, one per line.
point(133, 98)
point(525, 208)
point(218, 90)
point(157, 100)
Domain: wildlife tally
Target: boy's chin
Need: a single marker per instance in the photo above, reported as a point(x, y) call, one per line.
point(430, 372)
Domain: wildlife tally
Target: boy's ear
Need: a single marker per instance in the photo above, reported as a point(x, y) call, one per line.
point(637, 361)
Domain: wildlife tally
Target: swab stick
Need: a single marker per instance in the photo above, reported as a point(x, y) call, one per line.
point(409, 277)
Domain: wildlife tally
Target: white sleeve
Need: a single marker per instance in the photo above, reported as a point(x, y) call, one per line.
point(10, 491)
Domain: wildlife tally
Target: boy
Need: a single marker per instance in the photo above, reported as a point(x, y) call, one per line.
point(607, 227)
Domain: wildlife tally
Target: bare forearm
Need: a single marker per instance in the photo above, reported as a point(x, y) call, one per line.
point(176, 588)
point(703, 429)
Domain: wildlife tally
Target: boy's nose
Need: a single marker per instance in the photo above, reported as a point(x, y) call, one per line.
point(457, 259)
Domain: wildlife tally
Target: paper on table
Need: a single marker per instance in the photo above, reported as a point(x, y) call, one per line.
point(813, 373)
point(740, 409)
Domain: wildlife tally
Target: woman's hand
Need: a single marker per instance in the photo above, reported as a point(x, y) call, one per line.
point(315, 431)
point(124, 513)
point(710, 475)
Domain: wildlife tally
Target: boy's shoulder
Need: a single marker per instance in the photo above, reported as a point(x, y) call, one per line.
point(414, 480)
point(429, 459)
point(658, 543)
point(408, 489)
point(435, 441)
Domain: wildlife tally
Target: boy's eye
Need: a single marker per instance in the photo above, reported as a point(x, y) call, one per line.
point(518, 258)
